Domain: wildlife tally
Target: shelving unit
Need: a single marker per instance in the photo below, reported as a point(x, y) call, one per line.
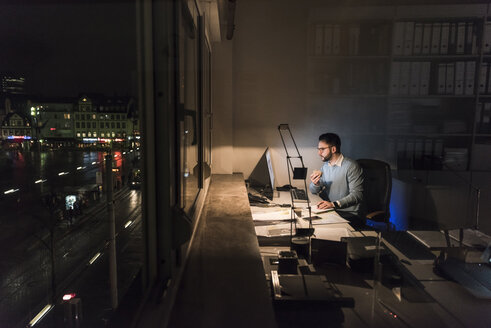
point(426, 108)
point(429, 76)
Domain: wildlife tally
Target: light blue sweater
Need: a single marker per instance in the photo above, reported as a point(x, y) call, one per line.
point(343, 184)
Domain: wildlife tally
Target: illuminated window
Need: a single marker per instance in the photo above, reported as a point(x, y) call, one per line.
point(102, 134)
point(94, 134)
point(93, 116)
point(78, 134)
point(66, 116)
point(83, 135)
point(90, 134)
point(113, 134)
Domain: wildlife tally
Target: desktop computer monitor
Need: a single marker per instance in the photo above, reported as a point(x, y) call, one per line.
point(262, 177)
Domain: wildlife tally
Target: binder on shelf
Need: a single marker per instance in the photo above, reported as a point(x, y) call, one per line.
point(435, 38)
point(383, 39)
point(483, 77)
point(397, 48)
point(470, 71)
point(394, 78)
point(328, 39)
point(460, 38)
point(418, 38)
point(426, 44)
point(487, 38)
point(418, 154)
point(428, 152)
point(442, 68)
point(408, 38)
point(488, 89)
point(444, 38)
point(452, 38)
point(415, 78)
point(353, 39)
point(336, 40)
point(459, 77)
point(486, 118)
point(449, 79)
point(404, 74)
point(424, 82)
point(470, 39)
point(318, 39)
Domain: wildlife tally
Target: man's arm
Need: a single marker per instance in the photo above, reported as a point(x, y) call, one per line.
point(315, 182)
point(355, 186)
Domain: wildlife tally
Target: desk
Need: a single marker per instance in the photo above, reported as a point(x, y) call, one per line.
point(417, 297)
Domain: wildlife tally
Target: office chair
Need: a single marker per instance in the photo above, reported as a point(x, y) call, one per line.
point(377, 186)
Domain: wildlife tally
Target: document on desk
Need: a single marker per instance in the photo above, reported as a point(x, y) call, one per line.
point(328, 233)
point(325, 218)
point(277, 215)
point(276, 230)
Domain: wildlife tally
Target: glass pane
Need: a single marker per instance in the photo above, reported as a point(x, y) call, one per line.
point(70, 69)
point(189, 133)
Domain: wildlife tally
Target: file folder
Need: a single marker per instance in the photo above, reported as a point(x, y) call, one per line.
point(418, 38)
point(328, 39)
point(415, 78)
point(487, 38)
point(336, 40)
point(470, 71)
point(408, 38)
point(394, 78)
point(425, 47)
point(318, 39)
point(444, 38)
point(488, 88)
point(478, 119)
point(452, 38)
point(470, 42)
point(424, 83)
point(435, 38)
point(483, 77)
point(449, 79)
point(442, 68)
point(460, 38)
point(354, 40)
point(459, 77)
point(404, 78)
point(398, 38)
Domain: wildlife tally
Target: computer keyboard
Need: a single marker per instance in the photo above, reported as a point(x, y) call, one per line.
point(299, 194)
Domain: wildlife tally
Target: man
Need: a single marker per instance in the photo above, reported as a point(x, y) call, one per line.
point(340, 181)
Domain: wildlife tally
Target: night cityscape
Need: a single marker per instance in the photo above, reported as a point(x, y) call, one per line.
point(64, 107)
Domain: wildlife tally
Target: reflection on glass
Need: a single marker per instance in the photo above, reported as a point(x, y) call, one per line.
point(189, 128)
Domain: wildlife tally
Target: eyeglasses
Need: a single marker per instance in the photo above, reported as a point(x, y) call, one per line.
point(323, 148)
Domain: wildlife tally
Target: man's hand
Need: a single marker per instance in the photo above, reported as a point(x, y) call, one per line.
point(315, 177)
point(324, 205)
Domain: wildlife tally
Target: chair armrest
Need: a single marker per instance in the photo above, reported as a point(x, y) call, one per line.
point(377, 216)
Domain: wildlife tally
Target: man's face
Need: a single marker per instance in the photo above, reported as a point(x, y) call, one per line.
point(325, 151)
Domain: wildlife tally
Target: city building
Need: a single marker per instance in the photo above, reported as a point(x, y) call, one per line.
point(16, 128)
point(13, 83)
point(52, 121)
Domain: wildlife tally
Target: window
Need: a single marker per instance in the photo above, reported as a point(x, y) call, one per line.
point(124, 125)
point(94, 125)
point(107, 125)
point(83, 125)
point(77, 124)
point(93, 116)
point(101, 125)
point(78, 134)
point(112, 125)
point(118, 125)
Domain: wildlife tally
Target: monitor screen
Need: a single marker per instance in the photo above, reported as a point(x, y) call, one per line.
point(262, 177)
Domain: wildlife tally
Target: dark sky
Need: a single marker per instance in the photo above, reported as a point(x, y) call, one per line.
point(66, 49)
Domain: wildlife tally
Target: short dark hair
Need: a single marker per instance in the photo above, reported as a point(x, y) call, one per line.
point(331, 139)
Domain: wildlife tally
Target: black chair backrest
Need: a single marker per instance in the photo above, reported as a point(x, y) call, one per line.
point(377, 185)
